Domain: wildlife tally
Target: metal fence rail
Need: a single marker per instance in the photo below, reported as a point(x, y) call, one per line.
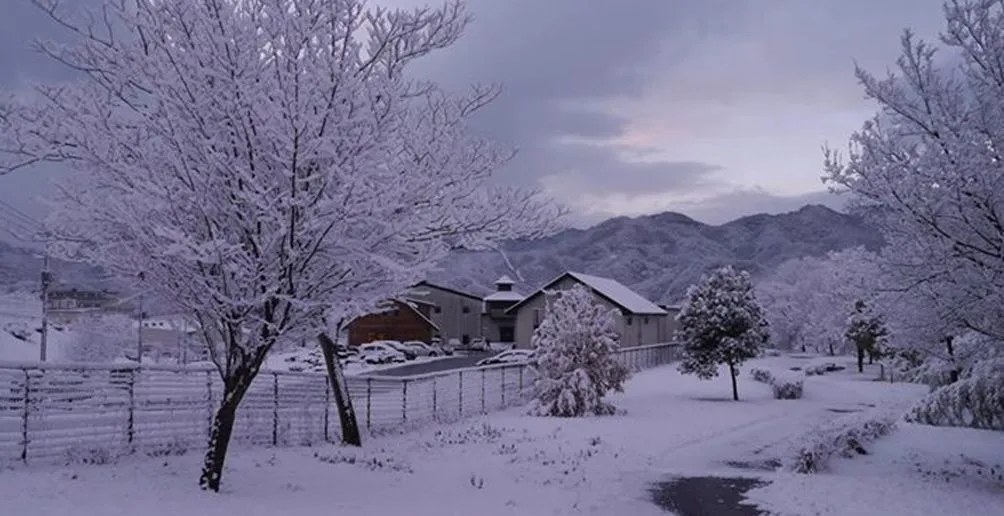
point(79, 412)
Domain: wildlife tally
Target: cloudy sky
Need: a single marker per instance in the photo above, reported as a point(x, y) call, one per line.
point(713, 108)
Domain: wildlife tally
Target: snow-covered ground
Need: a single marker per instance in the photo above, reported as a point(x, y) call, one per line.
point(511, 464)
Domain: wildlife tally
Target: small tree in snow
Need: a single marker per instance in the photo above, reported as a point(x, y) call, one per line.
point(865, 330)
point(258, 162)
point(721, 322)
point(575, 364)
point(101, 337)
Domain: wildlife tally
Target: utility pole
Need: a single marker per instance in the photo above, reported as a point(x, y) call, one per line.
point(46, 281)
point(139, 331)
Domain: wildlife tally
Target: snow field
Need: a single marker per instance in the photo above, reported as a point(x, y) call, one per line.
point(508, 463)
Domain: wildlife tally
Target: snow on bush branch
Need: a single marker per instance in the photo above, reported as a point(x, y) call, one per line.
point(575, 364)
point(262, 164)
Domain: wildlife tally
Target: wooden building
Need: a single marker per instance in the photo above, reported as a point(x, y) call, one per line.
point(403, 319)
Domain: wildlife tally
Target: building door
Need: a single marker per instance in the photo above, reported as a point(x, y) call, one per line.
point(507, 333)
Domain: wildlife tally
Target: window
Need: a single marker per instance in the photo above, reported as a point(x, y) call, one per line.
point(645, 320)
point(466, 309)
point(437, 309)
point(536, 317)
point(627, 320)
point(466, 339)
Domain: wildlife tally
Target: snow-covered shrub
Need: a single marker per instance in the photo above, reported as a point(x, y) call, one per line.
point(845, 438)
point(721, 322)
point(101, 338)
point(575, 364)
point(18, 329)
point(786, 388)
point(761, 375)
point(976, 402)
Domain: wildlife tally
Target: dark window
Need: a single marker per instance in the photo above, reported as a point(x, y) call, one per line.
point(645, 320)
point(437, 309)
point(466, 309)
point(466, 339)
point(628, 320)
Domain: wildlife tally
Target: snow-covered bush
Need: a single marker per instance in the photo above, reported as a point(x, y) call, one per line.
point(845, 438)
point(975, 402)
point(721, 322)
point(101, 338)
point(18, 329)
point(786, 388)
point(575, 363)
point(761, 375)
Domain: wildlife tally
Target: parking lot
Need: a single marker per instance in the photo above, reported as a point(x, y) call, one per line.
point(468, 359)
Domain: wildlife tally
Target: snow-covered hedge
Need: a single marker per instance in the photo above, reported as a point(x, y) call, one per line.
point(786, 388)
point(762, 375)
point(821, 369)
point(846, 438)
point(974, 402)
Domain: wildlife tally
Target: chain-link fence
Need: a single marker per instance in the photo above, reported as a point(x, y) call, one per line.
point(60, 412)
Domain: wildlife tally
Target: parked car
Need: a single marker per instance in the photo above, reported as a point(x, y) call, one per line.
point(479, 344)
point(409, 354)
point(513, 356)
point(380, 353)
point(422, 349)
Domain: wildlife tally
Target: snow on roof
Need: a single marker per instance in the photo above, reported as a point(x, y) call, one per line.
point(504, 295)
point(619, 294)
point(505, 280)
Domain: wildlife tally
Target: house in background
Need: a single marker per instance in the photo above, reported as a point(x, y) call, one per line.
point(173, 336)
point(456, 313)
point(639, 321)
point(499, 325)
point(671, 323)
point(65, 305)
point(403, 319)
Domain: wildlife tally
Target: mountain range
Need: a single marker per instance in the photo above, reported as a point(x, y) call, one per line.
point(658, 256)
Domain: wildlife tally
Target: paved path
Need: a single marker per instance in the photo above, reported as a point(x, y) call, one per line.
point(446, 364)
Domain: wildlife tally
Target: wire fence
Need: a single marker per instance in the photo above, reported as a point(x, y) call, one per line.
point(89, 413)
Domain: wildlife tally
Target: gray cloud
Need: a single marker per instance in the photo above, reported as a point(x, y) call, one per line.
point(596, 92)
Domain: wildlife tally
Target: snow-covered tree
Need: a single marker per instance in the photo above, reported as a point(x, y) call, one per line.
point(721, 322)
point(101, 338)
point(574, 356)
point(260, 163)
point(927, 167)
point(866, 330)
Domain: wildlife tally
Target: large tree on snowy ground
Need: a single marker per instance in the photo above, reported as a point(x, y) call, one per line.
point(264, 163)
point(575, 363)
point(928, 166)
point(721, 322)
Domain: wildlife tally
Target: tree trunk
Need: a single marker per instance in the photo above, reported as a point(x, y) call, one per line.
point(219, 437)
point(831, 347)
point(735, 388)
point(861, 359)
point(340, 389)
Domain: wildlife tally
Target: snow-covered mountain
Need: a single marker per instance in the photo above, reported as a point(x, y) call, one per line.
point(657, 255)
point(661, 255)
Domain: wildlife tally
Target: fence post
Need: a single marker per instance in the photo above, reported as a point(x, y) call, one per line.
point(327, 403)
point(24, 418)
point(209, 401)
point(460, 393)
point(521, 368)
point(275, 409)
point(131, 428)
point(404, 400)
point(483, 411)
point(369, 402)
point(435, 411)
point(503, 386)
